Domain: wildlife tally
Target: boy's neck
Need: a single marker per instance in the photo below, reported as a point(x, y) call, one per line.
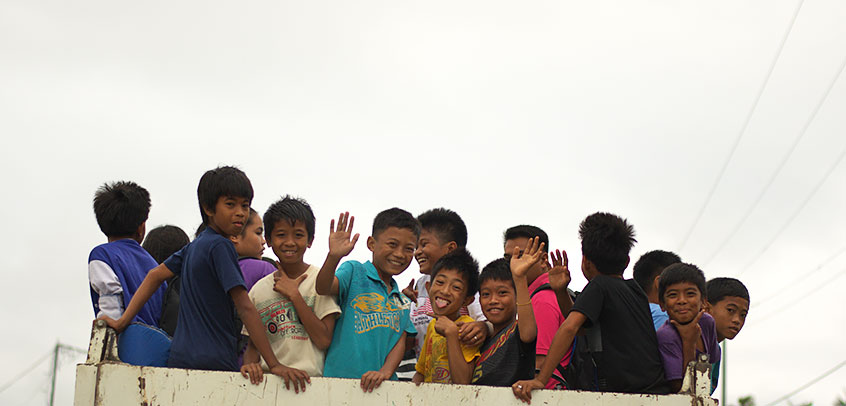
point(453, 316)
point(294, 270)
point(498, 328)
point(128, 237)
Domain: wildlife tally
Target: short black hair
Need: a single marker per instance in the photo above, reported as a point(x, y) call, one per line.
point(650, 265)
point(121, 207)
point(222, 181)
point(249, 221)
point(446, 224)
point(290, 209)
point(526, 231)
point(395, 217)
point(462, 262)
point(719, 288)
point(497, 270)
point(678, 273)
point(163, 241)
point(606, 242)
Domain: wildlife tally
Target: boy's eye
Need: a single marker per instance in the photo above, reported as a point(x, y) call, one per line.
point(484, 294)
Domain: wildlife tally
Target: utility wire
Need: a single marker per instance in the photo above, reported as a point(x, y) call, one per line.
point(26, 371)
point(743, 128)
point(795, 213)
point(801, 278)
point(793, 302)
point(781, 165)
point(809, 383)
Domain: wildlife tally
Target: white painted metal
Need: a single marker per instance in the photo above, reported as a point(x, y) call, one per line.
point(109, 382)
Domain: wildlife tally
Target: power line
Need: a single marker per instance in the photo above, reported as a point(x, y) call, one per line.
point(795, 213)
point(793, 302)
point(803, 277)
point(26, 371)
point(809, 383)
point(781, 165)
point(743, 128)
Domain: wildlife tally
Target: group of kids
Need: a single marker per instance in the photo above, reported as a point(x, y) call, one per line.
point(515, 323)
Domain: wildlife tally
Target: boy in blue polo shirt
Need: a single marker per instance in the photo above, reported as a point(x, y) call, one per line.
point(375, 314)
point(213, 289)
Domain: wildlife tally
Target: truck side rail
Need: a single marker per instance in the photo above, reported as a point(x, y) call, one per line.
point(104, 380)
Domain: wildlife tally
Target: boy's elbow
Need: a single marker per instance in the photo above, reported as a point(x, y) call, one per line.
point(322, 343)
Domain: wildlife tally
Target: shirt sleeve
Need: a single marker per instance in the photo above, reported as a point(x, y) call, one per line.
point(669, 345)
point(590, 301)
point(470, 353)
point(224, 262)
point(423, 359)
point(106, 284)
point(345, 274)
point(174, 262)
point(548, 318)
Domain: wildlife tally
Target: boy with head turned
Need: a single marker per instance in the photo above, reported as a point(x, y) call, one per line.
point(545, 306)
point(728, 304)
point(690, 331)
point(628, 360)
point(441, 231)
point(297, 321)
point(647, 270)
point(509, 355)
point(369, 338)
point(161, 243)
point(117, 268)
point(212, 289)
point(443, 358)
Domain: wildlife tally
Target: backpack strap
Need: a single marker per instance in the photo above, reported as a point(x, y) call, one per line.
point(539, 289)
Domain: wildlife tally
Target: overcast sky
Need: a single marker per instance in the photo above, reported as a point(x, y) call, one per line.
point(532, 112)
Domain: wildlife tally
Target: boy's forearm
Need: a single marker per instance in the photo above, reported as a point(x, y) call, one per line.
point(565, 302)
point(318, 332)
point(460, 370)
point(326, 276)
point(250, 318)
point(394, 357)
point(560, 345)
point(251, 355)
point(688, 354)
point(525, 313)
point(148, 287)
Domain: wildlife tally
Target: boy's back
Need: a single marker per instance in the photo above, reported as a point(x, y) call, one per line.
point(628, 360)
point(207, 334)
point(116, 269)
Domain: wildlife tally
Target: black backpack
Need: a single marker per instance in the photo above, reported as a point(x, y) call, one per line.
point(581, 373)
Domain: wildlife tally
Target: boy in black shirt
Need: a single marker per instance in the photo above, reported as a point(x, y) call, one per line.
point(628, 360)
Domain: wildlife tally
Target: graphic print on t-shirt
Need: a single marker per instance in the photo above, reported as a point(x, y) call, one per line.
point(281, 320)
point(373, 311)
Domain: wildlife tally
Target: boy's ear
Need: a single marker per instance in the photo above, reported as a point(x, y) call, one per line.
point(140, 232)
point(371, 242)
point(706, 305)
point(209, 211)
point(469, 299)
point(655, 283)
point(451, 246)
point(234, 238)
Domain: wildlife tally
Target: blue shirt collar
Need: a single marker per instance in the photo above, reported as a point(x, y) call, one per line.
point(373, 274)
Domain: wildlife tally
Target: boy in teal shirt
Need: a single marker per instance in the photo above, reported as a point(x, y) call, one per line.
point(374, 312)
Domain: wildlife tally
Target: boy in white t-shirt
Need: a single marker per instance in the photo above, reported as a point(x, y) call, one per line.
point(298, 322)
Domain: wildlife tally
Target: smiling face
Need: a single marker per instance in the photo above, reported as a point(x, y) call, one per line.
point(289, 242)
point(393, 249)
point(682, 302)
point(498, 301)
point(228, 216)
point(448, 293)
point(429, 250)
point(250, 243)
point(730, 316)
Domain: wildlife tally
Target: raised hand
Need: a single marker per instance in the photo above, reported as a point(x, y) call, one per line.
point(520, 265)
point(286, 286)
point(559, 274)
point(410, 292)
point(340, 243)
